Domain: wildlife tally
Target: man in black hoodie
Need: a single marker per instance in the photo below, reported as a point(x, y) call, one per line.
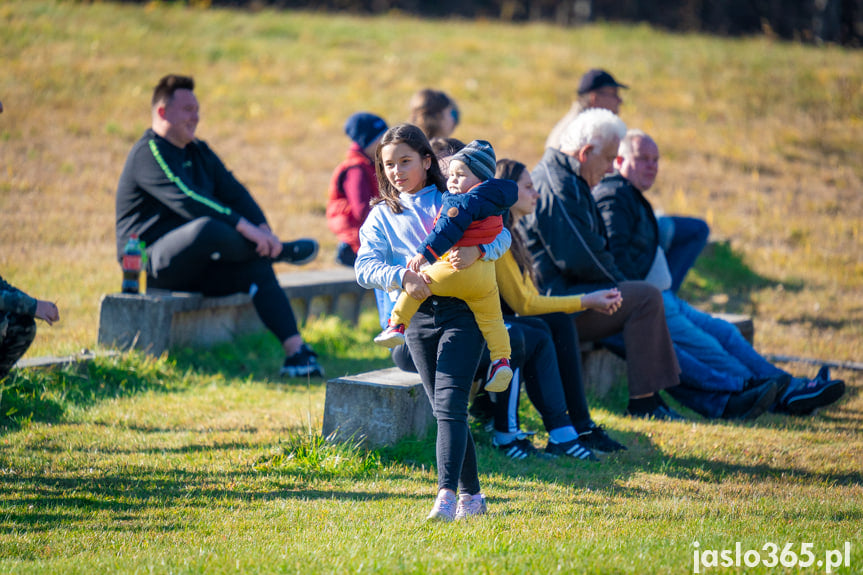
point(202, 229)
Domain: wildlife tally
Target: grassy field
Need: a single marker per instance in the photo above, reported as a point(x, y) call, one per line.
point(183, 464)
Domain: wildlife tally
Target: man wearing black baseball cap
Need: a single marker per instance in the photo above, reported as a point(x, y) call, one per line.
point(597, 89)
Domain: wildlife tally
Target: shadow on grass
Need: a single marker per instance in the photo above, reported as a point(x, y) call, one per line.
point(721, 275)
point(44, 502)
point(44, 395)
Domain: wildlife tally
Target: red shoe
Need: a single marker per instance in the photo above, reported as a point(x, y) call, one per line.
point(499, 376)
point(392, 336)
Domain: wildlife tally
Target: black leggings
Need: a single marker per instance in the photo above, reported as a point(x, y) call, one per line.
point(445, 344)
point(211, 257)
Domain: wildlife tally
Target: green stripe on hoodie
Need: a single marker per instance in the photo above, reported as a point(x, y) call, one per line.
point(183, 187)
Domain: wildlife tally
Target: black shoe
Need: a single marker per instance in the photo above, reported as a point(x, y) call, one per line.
point(597, 440)
point(304, 363)
point(782, 381)
point(298, 252)
point(519, 449)
point(750, 403)
point(808, 395)
point(572, 448)
point(660, 413)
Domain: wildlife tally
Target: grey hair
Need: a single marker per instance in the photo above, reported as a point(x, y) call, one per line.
point(627, 143)
point(595, 126)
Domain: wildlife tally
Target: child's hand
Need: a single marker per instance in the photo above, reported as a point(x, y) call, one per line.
point(605, 301)
point(416, 262)
point(463, 257)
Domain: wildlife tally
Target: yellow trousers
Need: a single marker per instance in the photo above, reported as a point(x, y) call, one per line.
point(477, 287)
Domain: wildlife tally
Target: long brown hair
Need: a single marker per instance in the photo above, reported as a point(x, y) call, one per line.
point(416, 139)
point(512, 170)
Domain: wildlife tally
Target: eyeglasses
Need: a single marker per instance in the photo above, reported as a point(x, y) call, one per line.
point(455, 115)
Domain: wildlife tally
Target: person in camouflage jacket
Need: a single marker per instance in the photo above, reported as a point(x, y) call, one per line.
point(18, 312)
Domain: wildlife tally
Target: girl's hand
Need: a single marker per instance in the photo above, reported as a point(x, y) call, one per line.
point(416, 285)
point(605, 301)
point(416, 262)
point(463, 257)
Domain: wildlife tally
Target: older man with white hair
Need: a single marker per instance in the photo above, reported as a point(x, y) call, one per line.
point(723, 376)
point(567, 240)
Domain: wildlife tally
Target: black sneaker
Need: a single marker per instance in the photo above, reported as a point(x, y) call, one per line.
point(752, 402)
point(805, 396)
point(597, 440)
point(304, 363)
point(572, 448)
point(298, 252)
point(518, 449)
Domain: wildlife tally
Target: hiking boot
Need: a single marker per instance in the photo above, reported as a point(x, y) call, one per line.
point(519, 449)
point(598, 441)
point(304, 363)
point(470, 505)
point(805, 396)
point(444, 506)
point(298, 252)
point(572, 448)
point(392, 336)
point(499, 376)
point(752, 402)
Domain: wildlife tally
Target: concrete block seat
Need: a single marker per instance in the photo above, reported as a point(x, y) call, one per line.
point(380, 407)
point(159, 320)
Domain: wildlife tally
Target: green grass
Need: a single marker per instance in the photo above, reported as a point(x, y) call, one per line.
point(173, 467)
point(204, 461)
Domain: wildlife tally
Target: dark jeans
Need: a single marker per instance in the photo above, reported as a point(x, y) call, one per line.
point(445, 344)
point(15, 339)
point(211, 257)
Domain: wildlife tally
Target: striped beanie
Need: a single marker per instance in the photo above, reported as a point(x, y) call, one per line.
point(479, 157)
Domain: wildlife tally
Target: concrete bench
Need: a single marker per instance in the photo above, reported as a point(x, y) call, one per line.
point(52, 362)
point(380, 407)
point(159, 320)
point(383, 406)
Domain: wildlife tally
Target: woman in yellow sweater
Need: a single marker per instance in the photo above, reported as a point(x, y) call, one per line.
point(520, 296)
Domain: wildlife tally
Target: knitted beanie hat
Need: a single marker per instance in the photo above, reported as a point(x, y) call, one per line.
point(364, 128)
point(479, 157)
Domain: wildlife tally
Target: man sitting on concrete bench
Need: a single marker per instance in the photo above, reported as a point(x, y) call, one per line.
point(721, 374)
point(202, 229)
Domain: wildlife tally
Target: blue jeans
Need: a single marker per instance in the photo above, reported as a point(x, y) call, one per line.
point(682, 239)
point(715, 359)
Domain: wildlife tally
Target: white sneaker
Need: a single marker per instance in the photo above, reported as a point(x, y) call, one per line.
point(470, 505)
point(444, 506)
